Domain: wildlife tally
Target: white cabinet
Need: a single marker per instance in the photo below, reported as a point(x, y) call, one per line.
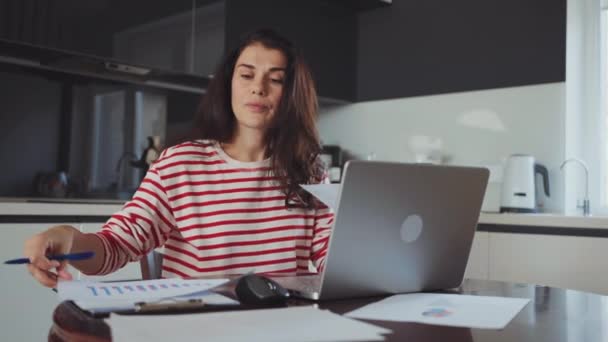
point(572, 262)
point(560, 261)
point(477, 267)
point(26, 306)
point(131, 271)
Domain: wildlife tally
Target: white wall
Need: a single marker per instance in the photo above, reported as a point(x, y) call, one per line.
point(475, 128)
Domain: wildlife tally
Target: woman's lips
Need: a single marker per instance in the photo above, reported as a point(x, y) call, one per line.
point(255, 107)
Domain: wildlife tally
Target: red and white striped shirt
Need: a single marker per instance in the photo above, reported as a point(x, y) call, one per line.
point(214, 215)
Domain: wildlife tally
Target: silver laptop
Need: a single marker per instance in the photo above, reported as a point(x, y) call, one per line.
point(398, 228)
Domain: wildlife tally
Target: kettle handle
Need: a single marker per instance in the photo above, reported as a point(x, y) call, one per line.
point(538, 168)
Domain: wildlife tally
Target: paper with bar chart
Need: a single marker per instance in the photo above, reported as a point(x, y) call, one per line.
point(112, 296)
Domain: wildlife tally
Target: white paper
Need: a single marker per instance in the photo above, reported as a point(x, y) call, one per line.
point(444, 309)
point(134, 290)
point(109, 296)
point(268, 325)
point(326, 193)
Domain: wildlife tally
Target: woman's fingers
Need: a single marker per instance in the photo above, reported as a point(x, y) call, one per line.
point(42, 262)
point(41, 269)
point(64, 275)
point(56, 240)
point(62, 271)
point(44, 277)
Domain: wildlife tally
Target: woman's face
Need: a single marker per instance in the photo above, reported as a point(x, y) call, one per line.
point(257, 86)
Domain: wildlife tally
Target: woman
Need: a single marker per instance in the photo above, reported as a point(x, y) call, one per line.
point(228, 202)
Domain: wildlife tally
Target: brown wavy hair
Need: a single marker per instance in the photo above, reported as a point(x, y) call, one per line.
point(292, 140)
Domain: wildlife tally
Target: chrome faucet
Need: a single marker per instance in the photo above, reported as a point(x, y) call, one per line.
point(586, 205)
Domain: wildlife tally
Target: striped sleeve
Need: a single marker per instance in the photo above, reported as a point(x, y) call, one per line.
point(144, 223)
point(324, 219)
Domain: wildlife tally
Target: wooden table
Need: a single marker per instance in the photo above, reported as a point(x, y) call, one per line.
point(553, 315)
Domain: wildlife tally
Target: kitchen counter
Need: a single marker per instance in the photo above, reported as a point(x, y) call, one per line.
point(58, 207)
point(544, 224)
point(544, 220)
point(105, 208)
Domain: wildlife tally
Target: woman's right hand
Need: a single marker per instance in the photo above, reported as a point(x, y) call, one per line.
point(56, 240)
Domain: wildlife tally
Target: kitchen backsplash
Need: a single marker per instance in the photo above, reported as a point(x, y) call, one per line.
point(470, 128)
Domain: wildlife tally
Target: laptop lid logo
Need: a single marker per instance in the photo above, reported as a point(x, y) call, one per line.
point(411, 228)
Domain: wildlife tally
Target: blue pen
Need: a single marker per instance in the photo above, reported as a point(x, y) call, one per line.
point(58, 257)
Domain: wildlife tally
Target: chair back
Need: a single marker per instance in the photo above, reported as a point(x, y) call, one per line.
point(150, 265)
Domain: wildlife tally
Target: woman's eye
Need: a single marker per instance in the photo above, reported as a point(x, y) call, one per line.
point(246, 76)
point(277, 80)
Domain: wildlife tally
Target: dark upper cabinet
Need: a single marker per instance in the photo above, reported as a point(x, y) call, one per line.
point(325, 32)
point(363, 50)
point(156, 34)
point(362, 5)
point(358, 50)
point(147, 33)
point(191, 36)
point(207, 44)
point(425, 47)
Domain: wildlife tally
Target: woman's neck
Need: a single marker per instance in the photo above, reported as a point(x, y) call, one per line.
point(246, 147)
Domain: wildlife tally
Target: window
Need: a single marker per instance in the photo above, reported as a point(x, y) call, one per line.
point(603, 205)
point(586, 123)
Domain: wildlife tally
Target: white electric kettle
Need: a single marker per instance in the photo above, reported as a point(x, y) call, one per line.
point(519, 185)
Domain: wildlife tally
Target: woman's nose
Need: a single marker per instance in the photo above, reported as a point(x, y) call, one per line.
point(258, 88)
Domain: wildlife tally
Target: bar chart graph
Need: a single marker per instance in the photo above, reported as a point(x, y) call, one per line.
point(134, 290)
point(128, 288)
